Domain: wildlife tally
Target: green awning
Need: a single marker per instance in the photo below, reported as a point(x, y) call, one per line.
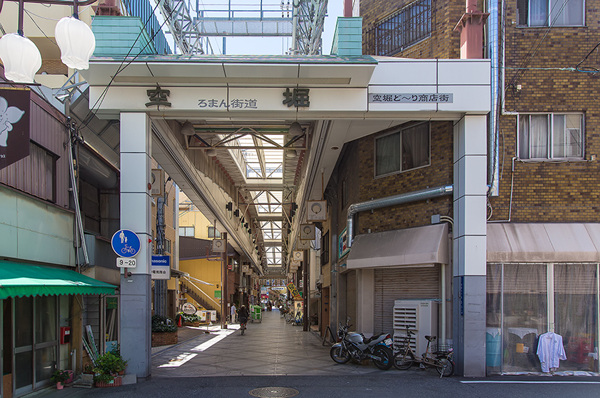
point(19, 280)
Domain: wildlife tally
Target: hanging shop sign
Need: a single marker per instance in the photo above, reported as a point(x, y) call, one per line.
point(14, 126)
point(294, 291)
point(343, 243)
point(161, 267)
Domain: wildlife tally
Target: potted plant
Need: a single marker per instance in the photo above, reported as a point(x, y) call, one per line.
point(107, 368)
point(164, 331)
point(59, 377)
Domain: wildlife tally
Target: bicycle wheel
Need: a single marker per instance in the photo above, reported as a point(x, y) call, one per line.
point(386, 356)
point(444, 367)
point(403, 359)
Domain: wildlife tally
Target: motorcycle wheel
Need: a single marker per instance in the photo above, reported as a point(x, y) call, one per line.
point(386, 356)
point(403, 360)
point(445, 367)
point(339, 354)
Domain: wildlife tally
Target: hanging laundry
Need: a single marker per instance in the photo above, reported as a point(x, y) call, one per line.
point(550, 350)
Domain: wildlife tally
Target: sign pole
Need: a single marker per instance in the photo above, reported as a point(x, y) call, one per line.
point(224, 283)
point(305, 292)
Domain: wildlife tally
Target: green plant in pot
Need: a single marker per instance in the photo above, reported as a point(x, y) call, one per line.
point(108, 366)
point(59, 377)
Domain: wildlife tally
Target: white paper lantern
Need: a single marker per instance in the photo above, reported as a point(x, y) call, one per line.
point(21, 58)
point(76, 42)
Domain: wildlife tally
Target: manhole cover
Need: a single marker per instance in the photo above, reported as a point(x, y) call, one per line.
point(274, 392)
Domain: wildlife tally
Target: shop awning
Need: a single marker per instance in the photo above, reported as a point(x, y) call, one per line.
point(543, 242)
point(411, 246)
point(19, 279)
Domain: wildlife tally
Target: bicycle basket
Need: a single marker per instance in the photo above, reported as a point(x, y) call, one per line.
point(441, 348)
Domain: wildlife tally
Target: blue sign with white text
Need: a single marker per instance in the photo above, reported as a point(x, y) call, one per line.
point(125, 243)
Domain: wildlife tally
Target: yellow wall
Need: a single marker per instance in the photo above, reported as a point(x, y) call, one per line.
point(205, 270)
point(190, 216)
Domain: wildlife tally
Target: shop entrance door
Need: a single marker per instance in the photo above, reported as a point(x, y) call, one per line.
point(35, 341)
point(23, 337)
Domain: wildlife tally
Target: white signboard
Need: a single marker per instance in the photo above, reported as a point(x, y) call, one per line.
point(126, 262)
point(161, 267)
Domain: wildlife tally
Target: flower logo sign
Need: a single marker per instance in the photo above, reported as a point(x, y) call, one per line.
point(14, 126)
point(8, 116)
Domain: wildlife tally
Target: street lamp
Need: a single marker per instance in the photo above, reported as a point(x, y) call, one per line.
point(22, 59)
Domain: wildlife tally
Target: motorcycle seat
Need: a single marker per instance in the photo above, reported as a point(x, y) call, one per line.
point(430, 338)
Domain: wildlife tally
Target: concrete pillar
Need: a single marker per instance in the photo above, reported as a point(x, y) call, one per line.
point(136, 204)
point(365, 301)
point(469, 246)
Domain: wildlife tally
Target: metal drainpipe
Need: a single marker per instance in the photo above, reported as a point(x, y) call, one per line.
point(424, 194)
point(493, 44)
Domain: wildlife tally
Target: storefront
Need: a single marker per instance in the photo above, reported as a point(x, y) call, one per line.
point(39, 309)
point(525, 300)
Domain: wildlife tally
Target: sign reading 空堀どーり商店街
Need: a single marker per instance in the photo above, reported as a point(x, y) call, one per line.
point(407, 98)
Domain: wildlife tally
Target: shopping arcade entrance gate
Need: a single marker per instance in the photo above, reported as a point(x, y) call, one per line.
point(334, 99)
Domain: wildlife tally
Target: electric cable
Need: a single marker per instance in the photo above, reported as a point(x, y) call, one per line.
point(88, 118)
point(534, 49)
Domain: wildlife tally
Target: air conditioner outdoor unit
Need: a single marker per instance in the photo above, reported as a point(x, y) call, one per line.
point(420, 317)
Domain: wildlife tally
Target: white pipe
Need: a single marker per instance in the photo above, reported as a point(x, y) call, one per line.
point(443, 309)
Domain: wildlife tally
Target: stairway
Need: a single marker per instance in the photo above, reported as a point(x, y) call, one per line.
point(192, 292)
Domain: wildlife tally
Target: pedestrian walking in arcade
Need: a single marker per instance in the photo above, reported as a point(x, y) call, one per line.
point(243, 318)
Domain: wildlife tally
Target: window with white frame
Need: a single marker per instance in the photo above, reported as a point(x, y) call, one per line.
point(402, 150)
point(213, 233)
point(551, 12)
point(186, 231)
point(551, 136)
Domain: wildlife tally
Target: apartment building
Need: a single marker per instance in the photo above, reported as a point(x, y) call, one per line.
point(541, 241)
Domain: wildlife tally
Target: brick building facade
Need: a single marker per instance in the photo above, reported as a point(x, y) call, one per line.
point(543, 218)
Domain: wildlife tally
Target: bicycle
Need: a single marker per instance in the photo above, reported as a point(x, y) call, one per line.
point(440, 358)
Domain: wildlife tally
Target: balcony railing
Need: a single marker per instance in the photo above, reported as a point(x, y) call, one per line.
point(400, 30)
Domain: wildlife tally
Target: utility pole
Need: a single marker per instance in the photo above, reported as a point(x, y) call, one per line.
point(224, 283)
point(160, 285)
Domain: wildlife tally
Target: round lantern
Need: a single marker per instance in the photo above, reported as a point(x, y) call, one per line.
point(21, 58)
point(76, 42)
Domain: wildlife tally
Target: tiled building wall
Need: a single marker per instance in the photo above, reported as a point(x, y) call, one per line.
point(444, 42)
point(358, 164)
point(540, 191)
point(565, 191)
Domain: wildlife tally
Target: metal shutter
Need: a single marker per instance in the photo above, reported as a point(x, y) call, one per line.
point(402, 283)
point(351, 296)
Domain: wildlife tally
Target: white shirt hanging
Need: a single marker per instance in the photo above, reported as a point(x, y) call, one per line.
point(550, 350)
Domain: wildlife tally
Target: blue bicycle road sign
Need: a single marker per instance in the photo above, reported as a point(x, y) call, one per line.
point(125, 243)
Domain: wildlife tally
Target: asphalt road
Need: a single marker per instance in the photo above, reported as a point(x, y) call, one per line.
point(393, 383)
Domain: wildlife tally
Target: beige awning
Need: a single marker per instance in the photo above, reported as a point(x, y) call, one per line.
point(411, 246)
point(544, 242)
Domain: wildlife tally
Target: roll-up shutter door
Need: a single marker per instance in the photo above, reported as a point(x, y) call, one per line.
point(402, 283)
point(351, 296)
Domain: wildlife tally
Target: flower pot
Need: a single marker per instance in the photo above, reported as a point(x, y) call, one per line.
point(116, 382)
point(59, 386)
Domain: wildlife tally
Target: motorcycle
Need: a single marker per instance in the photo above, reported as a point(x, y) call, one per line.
point(353, 345)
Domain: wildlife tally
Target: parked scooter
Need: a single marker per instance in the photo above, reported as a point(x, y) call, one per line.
point(355, 346)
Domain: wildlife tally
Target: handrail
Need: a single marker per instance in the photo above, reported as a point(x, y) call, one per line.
point(217, 305)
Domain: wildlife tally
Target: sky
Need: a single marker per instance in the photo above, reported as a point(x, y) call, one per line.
point(265, 45)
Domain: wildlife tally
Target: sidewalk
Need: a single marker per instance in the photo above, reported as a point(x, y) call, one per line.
point(271, 347)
